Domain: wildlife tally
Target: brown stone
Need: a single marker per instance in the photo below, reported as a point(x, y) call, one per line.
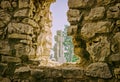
point(30, 22)
point(5, 17)
point(1, 24)
point(74, 16)
point(114, 58)
point(20, 28)
point(5, 4)
point(19, 36)
point(22, 13)
point(10, 59)
point(100, 70)
point(90, 29)
point(114, 12)
point(80, 3)
point(22, 69)
point(72, 30)
point(96, 13)
point(24, 3)
point(6, 80)
point(117, 73)
point(99, 48)
point(4, 47)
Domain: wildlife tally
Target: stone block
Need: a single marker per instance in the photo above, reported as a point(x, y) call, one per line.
point(22, 13)
point(30, 22)
point(96, 13)
point(2, 24)
point(118, 23)
point(5, 17)
point(114, 58)
point(73, 72)
point(4, 47)
point(23, 3)
point(114, 12)
point(115, 47)
point(5, 80)
point(105, 2)
point(99, 48)
point(72, 30)
point(22, 69)
point(19, 36)
point(20, 28)
point(117, 73)
point(80, 3)
point(37, 73)
point(100, 70)
point(5, 4)
point(10, 59)
point(90, 29)
point(74, 16)
point(3, 68)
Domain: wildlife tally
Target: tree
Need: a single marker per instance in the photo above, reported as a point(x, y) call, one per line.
point(68, 47)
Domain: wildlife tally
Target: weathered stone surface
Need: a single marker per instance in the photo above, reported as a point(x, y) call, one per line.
point(4, 47)
point(72, 30)
point(104, 2)
point(114, 12)
point(90, 29)
point(80, 3)
point(118, 23)
point(37, 73)
point(100, 70)
point(96, 13)
point(99, 48)
point(30, 22)
point(5, 17)
point(19, 36)
point(10, 59)
point(1, 24)
point(117, 73)
point(6, 80)
point(114, 58)
point(20, 28)
point(22, 69)
point(5, 4)
point(22, 13)
point(73, 72)
point(2, 68)
point(74, 16)
point(116, 43)
point(24, 3)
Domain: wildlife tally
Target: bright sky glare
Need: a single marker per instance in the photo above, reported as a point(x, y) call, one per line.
point(59, 13)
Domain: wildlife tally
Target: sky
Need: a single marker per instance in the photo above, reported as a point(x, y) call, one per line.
point(59, 14)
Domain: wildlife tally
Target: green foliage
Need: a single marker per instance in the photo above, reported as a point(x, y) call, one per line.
point(68, 47)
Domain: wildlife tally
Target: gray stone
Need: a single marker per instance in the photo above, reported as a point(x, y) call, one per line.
point(114, 12)
point(5, 4)
point(10, 59)
point(5, 17)
point(22, 13)
point(23, 3)
point(100, 70)
point(90, 29)
point(96, 13)
point(19, 36)
point(74, 16)
point(4, 47)
point(80, 3)
point(72, 30)
point(30, 22)
point(20, 28)
point(99, 48)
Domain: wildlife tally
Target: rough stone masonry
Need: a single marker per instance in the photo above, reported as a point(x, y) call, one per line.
point(25, 41)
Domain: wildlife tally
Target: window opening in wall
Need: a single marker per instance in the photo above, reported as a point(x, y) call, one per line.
point(62, 47)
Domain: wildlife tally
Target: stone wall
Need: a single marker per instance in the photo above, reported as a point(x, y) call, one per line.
point(25, 30)
point(95, 29)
